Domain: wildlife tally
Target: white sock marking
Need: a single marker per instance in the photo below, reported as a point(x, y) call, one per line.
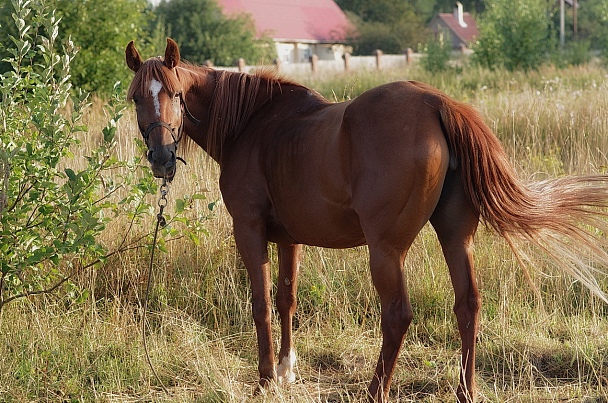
point(285, 369)
point(155, 87)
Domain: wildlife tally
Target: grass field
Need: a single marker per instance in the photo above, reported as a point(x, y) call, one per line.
point(202, 340)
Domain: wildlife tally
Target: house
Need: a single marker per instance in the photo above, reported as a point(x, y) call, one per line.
point(299, 28)
point(460, 26)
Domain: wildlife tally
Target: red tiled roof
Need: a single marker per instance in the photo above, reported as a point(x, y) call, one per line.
point(293, 20)
point(465, 34)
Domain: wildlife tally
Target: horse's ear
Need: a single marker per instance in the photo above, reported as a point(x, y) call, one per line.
point(171, 54)
point(133, 57)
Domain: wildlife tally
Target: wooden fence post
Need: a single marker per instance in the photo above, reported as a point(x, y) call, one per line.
point(277, 64)
point(346, 57)
point(409, 56)
point(378, 53)
point(314, 61)
point(241, 64)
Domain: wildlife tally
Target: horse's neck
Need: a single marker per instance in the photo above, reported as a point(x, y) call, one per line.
point(228, 100)
point(236, 97)
point(198, 86)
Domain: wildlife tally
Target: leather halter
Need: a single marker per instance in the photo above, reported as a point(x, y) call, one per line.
point(176, 136)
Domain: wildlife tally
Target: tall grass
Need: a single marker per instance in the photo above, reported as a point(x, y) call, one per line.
point(202, 341)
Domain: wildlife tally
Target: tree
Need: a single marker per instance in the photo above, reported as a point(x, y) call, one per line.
point(515, 34)
point(47, 215)
point(389, 25)
point(100, 29)
point(387, 11)
point(592, 24)
point(204, 33)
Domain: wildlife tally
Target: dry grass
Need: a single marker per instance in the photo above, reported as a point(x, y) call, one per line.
point(202, 340)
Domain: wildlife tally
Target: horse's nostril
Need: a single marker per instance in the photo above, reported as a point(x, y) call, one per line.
point(170, 163)
point(162, 156)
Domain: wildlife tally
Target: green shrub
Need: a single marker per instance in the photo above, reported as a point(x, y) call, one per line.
point(577, 53)
point(436, 56)
point(100, 29)
point(53, 206)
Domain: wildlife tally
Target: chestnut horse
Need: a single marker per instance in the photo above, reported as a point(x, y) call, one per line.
point(297, 169)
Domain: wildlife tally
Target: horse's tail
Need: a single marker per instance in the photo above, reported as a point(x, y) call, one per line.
point(565, 217)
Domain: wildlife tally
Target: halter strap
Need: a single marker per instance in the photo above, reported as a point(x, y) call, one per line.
point(176, 136)
point(190, 117)
point(154, 125)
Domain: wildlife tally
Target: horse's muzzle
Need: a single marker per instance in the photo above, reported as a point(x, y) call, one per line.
point(163, 162)
point(164, 172)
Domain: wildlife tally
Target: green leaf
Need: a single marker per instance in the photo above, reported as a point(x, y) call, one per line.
point(180, 205)
point(109, 133)
point(70, 173)
point(83, 297)
point(194, 238)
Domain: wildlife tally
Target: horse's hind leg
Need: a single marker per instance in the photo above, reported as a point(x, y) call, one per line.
point(287, 284)
point(455, 223)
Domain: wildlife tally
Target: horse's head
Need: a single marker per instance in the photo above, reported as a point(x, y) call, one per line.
point(157, 93)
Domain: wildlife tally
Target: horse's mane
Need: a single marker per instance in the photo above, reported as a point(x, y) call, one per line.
point(233, 103)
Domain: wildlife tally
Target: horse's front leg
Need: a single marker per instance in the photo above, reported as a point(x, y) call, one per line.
point(252, 244)
point(287, 285)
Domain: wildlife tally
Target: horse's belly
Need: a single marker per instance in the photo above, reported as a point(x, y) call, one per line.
point(321, 224)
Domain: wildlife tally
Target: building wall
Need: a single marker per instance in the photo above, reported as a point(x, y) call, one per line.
point(290, 52)
point(442, 29)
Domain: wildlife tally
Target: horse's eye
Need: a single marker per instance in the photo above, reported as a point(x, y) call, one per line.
point(135, 100)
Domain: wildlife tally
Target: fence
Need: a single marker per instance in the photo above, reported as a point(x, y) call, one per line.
point(377, 61)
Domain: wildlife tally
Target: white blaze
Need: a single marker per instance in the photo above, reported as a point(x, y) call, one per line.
point(155, 87)
point(285, 370)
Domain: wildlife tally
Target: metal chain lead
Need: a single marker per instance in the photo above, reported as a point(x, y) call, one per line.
point(161, 222)
point(162, 202)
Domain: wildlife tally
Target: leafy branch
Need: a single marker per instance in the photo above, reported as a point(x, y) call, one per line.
point(52, 209)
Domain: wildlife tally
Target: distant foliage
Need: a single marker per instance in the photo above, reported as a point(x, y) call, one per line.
point(575, 53)
point(101, 30)
point(592, 26)
point(515, 34)
point(389, 25)
point(204, 33)
point(595, 26)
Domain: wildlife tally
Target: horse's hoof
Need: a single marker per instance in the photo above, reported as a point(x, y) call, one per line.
point(285, 369)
